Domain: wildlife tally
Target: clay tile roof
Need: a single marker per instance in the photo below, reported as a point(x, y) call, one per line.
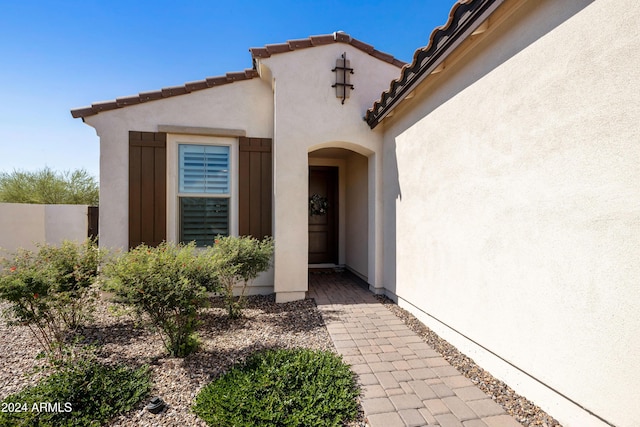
point(167, 92)
point(261, 52)
point(150, 96)
point(320, 40)
point(362, 46)
point(337, 37)
point(197, 85)
point(465, 16)
point(299, 44)
point(128, 100)
point(273, 49)
point(173, 91)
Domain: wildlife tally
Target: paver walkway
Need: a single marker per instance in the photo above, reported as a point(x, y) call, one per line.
point(405, 382)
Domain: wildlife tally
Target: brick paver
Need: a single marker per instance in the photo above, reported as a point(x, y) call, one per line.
point(405, 382)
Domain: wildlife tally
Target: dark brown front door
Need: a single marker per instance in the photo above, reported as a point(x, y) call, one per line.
point(323, 214)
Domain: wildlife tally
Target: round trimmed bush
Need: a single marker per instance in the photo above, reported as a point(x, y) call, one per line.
point(282, 388)
point(86, 393)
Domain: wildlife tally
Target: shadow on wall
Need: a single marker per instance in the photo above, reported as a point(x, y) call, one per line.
point(458, 81)
point(527, 35)
point(392, 194)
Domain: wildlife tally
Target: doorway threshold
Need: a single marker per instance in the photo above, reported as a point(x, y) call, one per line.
point(326, 267)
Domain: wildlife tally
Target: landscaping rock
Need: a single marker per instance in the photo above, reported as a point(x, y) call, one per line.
point(119, 339)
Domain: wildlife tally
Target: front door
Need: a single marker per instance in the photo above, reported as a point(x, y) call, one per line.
point(323, 215)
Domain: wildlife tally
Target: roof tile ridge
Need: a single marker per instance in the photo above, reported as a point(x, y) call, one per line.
point(418, 56)
point(322, 39)
point(165, 92)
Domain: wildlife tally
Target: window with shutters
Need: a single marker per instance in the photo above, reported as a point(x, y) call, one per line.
point(204, 192)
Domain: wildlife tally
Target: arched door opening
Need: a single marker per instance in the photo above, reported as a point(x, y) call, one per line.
point(339, 210)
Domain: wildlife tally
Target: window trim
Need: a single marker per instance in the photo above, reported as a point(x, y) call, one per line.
point(173, 196)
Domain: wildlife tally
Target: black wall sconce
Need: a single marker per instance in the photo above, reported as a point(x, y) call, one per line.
point(343, 77)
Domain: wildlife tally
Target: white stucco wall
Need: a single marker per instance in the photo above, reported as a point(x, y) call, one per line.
point(25, 225)
point(512, 207)
point(294, 103)
point(21, 226)
point(357, 208)
point(308, 116)
point(244, 105)
point(65, 222)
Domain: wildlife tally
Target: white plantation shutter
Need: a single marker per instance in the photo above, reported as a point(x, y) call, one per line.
point(203, 218)
point(204, 190)
point(204, 169)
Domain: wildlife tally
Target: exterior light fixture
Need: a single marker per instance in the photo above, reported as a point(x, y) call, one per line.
point(156, 405)
point(343, 77)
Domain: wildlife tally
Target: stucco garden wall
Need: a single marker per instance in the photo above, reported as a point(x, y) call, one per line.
point(512, 207)
point(25, 225)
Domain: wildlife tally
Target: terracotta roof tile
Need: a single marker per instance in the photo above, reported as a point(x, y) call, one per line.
point(173, 91)
point(342, 37)
point(82, 112)
point(167, 92)
point(236, 76)
point(321, 40)
point(261, 52)
point(217, 81)
point(127, 100)
point(465, 16)
point(300, 44)
point(150, 96)
point(104, 106)
point(362, 46)
point(197, 85)
point(337, 37)
point(278, 48)
point(381, 55)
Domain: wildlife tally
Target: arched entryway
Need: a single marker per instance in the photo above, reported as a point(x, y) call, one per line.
point(340, 199)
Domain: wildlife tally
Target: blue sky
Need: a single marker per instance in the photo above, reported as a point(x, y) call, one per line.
point(59, 55)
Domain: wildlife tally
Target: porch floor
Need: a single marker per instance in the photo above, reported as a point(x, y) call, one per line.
point(405, 382)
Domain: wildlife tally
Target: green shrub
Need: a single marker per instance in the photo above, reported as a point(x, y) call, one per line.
point(282, 388)
point(50, 291)
point(239, 260)
point(169, 285)
point(84, 394)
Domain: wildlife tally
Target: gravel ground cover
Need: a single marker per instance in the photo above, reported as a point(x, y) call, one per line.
point(265, 325)
point(523, 410)
point(177, 381)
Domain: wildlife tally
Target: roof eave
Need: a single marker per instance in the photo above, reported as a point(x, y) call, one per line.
point(465, 17)
point(256, 53)
point(313, 41)
point(167, 92)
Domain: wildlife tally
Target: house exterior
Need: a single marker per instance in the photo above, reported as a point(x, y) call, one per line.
point(491, 189)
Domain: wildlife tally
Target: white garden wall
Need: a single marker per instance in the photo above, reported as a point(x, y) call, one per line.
point(512, 207)
point(25, 225)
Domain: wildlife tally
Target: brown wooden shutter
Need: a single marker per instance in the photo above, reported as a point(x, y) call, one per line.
point(147, 188)
point(254, 187)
